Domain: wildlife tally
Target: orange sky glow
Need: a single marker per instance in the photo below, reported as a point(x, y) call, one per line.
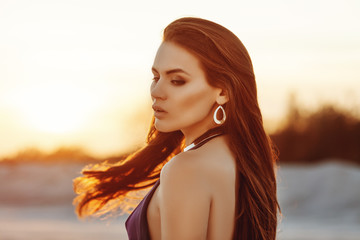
point(77, 73)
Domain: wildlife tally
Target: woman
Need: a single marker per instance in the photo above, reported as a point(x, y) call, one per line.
point(218, 181)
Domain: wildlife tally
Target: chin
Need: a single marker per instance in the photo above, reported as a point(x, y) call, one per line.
point(161, 127)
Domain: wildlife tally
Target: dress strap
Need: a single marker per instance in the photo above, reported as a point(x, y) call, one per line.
point(204, 138)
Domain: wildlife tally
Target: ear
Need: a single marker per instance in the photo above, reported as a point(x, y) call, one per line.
point(222, 97)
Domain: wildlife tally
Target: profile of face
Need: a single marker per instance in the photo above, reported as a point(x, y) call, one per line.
point(182, 98)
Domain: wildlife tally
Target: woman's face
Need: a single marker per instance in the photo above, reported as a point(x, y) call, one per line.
point(182, 98)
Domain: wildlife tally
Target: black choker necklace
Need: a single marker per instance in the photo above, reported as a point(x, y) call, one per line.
point(207, 136)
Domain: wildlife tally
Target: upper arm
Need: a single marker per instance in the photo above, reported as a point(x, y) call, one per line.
point(184, 201)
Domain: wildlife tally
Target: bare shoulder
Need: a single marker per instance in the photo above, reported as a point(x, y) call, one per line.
point(183, 169)
point(217, 162)
point(197, 192)
point(209, 166)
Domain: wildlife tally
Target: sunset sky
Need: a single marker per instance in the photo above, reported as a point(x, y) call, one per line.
point(78, 72)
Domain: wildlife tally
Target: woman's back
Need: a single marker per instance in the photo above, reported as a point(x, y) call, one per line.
point(196, 197)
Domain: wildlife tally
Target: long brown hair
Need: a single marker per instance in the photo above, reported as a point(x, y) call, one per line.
point(227, 65)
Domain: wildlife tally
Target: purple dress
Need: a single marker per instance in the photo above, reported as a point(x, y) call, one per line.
point(136, 225)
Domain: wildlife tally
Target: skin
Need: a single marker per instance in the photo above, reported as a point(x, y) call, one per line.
point(196, 195)
point(180, 88)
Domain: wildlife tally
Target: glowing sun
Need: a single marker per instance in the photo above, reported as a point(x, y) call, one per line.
point(56, 108)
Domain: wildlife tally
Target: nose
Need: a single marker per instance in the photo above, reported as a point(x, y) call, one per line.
point(157, 90)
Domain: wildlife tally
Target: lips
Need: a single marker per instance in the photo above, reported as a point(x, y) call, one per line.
point(158, 111)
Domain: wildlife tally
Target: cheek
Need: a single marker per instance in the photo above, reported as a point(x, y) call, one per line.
point(196, 101)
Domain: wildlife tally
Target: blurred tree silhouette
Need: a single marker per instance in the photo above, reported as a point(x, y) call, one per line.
point(328, 133)
point(62, 154)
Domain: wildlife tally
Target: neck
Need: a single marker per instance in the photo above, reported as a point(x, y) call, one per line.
point(196, 130)
point(214, 131)
point(191, 135)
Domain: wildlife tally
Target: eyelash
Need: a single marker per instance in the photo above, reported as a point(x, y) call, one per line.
point(178, 82)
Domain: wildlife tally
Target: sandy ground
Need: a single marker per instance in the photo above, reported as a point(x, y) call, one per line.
point(55, 223)
point(319, 202)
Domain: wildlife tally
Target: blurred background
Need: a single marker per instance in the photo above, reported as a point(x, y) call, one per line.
point(74, 89)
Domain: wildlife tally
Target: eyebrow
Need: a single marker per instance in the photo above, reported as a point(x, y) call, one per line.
point(168, 72)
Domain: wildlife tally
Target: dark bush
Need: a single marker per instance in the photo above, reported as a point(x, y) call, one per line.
point(328, 133)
